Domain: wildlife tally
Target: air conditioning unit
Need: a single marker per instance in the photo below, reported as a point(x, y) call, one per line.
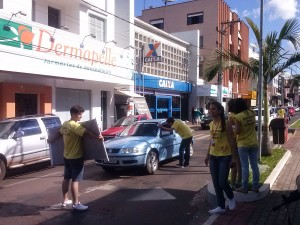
point(201, 58)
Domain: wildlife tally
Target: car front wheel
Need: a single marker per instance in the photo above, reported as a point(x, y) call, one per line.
point(2, 169)
point(151, 162)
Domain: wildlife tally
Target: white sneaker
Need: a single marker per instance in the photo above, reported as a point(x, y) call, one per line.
point(80, 207)
point(217, 210)
point(66, 203)
point(231, 204)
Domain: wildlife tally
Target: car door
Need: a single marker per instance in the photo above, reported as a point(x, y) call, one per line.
point(29, 142)
point(168, 142)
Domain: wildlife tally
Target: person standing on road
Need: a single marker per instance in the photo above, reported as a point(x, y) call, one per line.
point(193, 115)
point(281, 112)
point(186, 134)
point(219, 156)
point(72, 133)
point(247, 144)
point(236, 172)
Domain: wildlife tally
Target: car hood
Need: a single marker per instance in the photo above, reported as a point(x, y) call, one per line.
point(113, 131)
point(129, 142)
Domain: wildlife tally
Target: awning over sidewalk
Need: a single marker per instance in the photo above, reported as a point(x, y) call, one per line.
point(128, 93)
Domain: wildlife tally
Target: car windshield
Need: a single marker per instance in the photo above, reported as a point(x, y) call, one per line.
point(125, 121)
point(5, 129)
point(141, 129)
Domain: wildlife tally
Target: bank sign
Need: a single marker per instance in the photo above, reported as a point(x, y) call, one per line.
point(153, 52)
point(46, 53)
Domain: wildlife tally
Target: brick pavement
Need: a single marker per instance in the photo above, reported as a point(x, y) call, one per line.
point(260, 212)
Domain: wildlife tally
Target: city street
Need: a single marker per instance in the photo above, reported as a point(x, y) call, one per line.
point(32, 195)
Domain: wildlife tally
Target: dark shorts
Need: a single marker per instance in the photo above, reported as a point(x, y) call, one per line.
point(73, 169)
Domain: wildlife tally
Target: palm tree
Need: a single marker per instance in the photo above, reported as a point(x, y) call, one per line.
point(275, 61)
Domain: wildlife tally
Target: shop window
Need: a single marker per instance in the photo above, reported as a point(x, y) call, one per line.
point(159, 23)
point(195, 18)
point(97, 27)
point(53, 17)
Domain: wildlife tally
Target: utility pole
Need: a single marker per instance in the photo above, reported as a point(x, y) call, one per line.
point(220, 73)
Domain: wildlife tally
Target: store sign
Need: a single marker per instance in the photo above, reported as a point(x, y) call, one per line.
point(166, 84)
point(153, 52)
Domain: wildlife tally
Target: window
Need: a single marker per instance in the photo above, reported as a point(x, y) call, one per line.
point(159, 23)
point(201, 42)
point(30, 127)
point(51, 122)
point(97, 27)
point(195, 18)
point(53, 17)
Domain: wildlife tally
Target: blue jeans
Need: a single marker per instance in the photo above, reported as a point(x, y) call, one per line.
point(249, 153)
point(219, 169)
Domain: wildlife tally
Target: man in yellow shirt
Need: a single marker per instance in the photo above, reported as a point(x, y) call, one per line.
point(186, 134)
point(281, 112)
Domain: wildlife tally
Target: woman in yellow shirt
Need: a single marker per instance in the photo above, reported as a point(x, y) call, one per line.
point(219, 156)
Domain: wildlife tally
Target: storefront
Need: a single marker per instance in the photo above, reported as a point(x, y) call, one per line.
point(165, 97)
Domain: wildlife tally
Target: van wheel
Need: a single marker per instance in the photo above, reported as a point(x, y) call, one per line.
point(2, 169)
point(151, 162)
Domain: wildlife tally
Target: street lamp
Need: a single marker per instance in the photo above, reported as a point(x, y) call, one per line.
point(220, 73)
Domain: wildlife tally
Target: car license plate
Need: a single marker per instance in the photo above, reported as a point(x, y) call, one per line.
point(111, 160)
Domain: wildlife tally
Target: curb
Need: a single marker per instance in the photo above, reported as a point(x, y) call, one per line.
point(252, 196)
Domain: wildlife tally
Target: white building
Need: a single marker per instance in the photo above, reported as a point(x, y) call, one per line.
point(59, 53)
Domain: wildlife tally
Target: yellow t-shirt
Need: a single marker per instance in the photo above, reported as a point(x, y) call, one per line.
point(219, 145)
point(182, 129)
point(281, 113)
point(72, 133)
point(231, 120)
point(247, 137)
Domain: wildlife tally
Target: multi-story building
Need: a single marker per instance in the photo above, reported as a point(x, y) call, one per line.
point(164, 78)
point(55, 54)
point(219, 28)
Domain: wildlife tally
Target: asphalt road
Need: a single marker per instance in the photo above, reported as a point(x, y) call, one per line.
point(32, 195)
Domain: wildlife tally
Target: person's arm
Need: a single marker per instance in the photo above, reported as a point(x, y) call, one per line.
point(92, 135)
point(165, 128)
point(207, 155)
point(232, 143)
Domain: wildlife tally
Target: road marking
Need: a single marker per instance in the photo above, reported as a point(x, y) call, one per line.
point(199, 137)
point(153, 194)
point(25, 181)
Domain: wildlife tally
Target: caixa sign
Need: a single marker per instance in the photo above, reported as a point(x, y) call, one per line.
point(166, 84)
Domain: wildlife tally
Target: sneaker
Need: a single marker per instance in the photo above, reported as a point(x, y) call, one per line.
point(217, 210)
point(231, 204)
point(66, 203)
point(242, 190)
point(80, 207)
point(179, 166)
point(256, 190)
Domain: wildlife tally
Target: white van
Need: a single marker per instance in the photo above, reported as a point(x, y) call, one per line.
point(273, 114)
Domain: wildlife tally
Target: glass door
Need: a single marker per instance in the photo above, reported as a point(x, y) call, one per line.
point(163, 107)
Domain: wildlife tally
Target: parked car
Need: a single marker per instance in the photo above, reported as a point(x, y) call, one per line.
point(205, 122)
point(142, 144)
point(23, 140)
point(121, 124)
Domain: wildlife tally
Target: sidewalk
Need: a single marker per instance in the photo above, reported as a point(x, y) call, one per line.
point(259, 212)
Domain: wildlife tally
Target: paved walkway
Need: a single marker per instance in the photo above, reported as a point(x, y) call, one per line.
point(259, 212)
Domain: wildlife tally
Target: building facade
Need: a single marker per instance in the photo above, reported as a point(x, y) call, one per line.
point(219, 28)
point(59, 53)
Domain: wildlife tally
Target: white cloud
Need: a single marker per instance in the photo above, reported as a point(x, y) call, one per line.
point(235, 10)
point(284, 10)
point(246, 13)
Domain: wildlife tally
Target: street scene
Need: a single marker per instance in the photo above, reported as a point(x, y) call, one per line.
point(129, 112)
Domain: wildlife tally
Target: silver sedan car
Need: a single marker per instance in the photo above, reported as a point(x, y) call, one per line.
point(142, 144)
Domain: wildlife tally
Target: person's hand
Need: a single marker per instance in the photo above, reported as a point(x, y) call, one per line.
point(206, 160)
point(101, 138)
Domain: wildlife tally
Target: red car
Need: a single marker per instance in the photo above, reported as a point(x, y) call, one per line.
point(121, 124)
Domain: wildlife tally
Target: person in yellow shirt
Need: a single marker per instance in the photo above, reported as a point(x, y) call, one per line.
point(281, 112)
point(186, 134)
point(72, 133)
point(219, 156)
point(247, 144)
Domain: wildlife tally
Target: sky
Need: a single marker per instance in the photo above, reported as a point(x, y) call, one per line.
point(275, 11)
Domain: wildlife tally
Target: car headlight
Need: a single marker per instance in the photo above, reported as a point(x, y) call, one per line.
point(129, 150)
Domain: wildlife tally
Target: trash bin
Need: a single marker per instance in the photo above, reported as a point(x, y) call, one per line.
point(279, 127)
